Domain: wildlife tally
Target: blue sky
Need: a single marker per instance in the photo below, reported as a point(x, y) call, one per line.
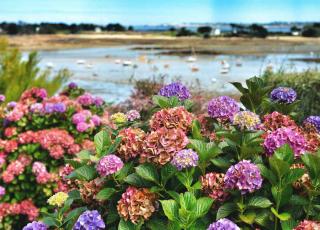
point(156, 12)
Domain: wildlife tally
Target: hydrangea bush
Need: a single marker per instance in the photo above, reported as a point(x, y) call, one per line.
point(238, 166)
point(37, 137)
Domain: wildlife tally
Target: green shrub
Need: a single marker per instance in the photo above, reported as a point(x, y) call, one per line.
point(307, 85)
point(17, 75)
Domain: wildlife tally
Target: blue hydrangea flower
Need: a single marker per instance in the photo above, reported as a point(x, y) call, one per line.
point(35, 226)
point(223, 108)
point(223, 224)
point(314, 121)
point(175, 89)
point(89, 220)
point(185, 158)
point(283, 95)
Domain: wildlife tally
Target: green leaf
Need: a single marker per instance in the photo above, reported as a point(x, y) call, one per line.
point(248, 218)
point(126, 225)
point(50, 222)
point(162, 102)
point(265, 172)
point(105, 193)
point(259, 202)
point(167, 171)
point(225, 210)
point(135, 179)
point(86, 172)
point(285, 153)
point(74, 194)
point(170, 208)
point(196, 130)
point(312, 163)
point(279, 167)
point(188, 201)
point(84, 155)
point(283, 216)
point(148, 172)
point(102, 140)
point(74, 214)
point(203, 206)
point(123, 173)
point(293, 175)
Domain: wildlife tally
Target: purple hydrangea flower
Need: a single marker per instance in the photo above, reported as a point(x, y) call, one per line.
point(59, 107)
point(72, 85)
point(49, 108)
point(223, 107)
point(98, 101)
point(283, 95)
point(36, 108)
point(86, 99)
point(285, 135)
point(314, 121)
point(244, 176)
point(175, 89)
point(12, 104)
point(185, 158)
point(89, 220)
point(35, 226)
point(2, 98)
point(133, 115)
point(223, 224)
point(2, 191)
point(82, 127)
point(109, 164)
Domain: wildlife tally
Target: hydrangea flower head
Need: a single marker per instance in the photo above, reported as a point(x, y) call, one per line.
point(175, 89)
point(212, 184)
point(133, 115)
point(283, 95)
point(58, 199)
point(185, 158)
point(2, 191)
point(223, 108)
point(281, 136)
point(2, 98)
point(35, 225)
point(109, 164)
point(89, 220)
point(314, 121)
point(308, 225)
point(223, 224)
point(244, 176)
point(119, 118)
point(72, 85)
point(246, 120)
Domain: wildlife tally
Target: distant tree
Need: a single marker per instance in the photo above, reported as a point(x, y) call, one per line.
point(12, 29)
point(310, 31)
point(204, 30)
point(115, 27)
point(130, 28)
point(172, 29)
point(183, 31)
point(256, 30)
point(294, 29)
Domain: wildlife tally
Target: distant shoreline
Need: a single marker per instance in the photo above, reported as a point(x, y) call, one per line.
point(169, 45)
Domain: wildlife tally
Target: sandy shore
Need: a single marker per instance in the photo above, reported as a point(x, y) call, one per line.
point(170, 45)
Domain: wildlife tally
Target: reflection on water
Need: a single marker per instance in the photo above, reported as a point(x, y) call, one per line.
point(108, 71)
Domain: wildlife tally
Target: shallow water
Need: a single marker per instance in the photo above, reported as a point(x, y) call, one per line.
point(102, 76)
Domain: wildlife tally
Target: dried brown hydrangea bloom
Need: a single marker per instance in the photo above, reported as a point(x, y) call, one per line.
point(213, 186)
point(308, 225)
point(89, 190)
point(162, 144)
point(136, 204)
point(131, 143)
point(312, 137)
point(172, 118)
point(304, 182)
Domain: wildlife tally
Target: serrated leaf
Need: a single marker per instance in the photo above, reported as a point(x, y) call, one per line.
point(105, 193)
point(101, 141)
point(259, 202)
point(170, 208)
point(203, 206)
point(167, 171)
point(283, 216)
point(148, 172)
point(126, 225)
point(225, 210)
point(248, 218)
point(74, 214)
point(135, 179)
point(86, 172)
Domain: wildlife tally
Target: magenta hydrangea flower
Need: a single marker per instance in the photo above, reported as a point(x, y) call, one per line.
point(223, 224)
point(133, 115)
point(283, 95)
point(36, 108)
point(98, 101)
point(285, 135)
point(86, 99)
point(89, 220)
point(2, 98)
point(175, 89)
point(244, 176)
point(223, 107)
point(82, 127)
point(2, 191)
point(185, 158)
point(81, 116)
point(314, 121)
point(96, 120)
point(35, 225)
point(109, 164)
